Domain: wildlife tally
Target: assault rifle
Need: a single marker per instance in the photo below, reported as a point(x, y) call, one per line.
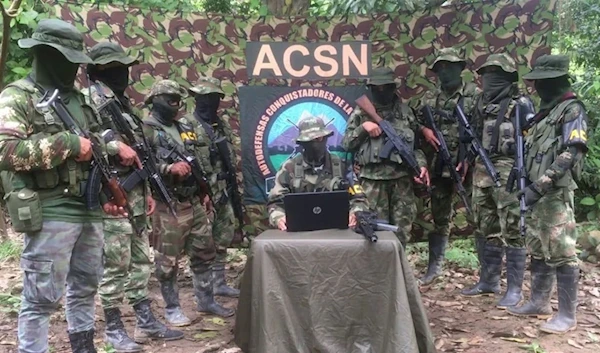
point(446, 157)
point(394, 142)
point(476, 147)
point(142, 148)
point(367, 223)
point(101, 174)
point(518, 172)
point(177, 155)
point(232, 184)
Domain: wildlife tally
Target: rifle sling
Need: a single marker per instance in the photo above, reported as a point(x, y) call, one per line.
point(499, 119)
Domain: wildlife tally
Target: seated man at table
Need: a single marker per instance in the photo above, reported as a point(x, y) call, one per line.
point(313, 170)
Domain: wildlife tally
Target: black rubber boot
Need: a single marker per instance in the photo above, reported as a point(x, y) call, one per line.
point(82, 342)
point(489, 276)
point(437, 249)
point(515, 270)
point(203, 288)
point(542, 281)
point(479, 247)
point(567, 283)
point(173, 313)
point(116, 335)
point(148, 328)
point(220, 285)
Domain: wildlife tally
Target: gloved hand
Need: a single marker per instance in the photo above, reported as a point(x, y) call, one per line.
point(532, 195)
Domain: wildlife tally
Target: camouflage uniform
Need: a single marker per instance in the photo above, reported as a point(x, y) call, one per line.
point(127, 265)
point(443, 104)
point(497, 210)
point(211, 130)
point(297, 175)
point(555, 147)
point(43, 185)
point(388, 184)
point(190, 231)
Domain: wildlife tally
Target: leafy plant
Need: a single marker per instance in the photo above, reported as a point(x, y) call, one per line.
point(9, 303)
point(592, 205)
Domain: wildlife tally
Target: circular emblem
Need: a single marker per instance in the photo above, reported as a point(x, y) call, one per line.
point(317, 210)
point(278, 131)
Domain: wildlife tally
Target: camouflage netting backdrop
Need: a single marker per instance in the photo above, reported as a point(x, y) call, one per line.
point(183, 46)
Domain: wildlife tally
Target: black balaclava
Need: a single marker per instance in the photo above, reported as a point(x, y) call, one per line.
point(314, 151)
point(207, 106)
point(165, 108)
point(384, 94)
point(497, 85)
point(51, 69)
point(449, 76)
point(551, 90)
point(116, 77)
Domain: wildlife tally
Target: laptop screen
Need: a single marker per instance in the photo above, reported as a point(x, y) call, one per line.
point(312, 211)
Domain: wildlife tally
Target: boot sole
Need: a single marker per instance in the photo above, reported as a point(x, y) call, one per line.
point(184, 324)
point(538, 316)
point(149, 339)
point(558, 332)
point(211, 313)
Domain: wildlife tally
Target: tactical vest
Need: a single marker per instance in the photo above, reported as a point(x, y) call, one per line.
point(68, 178)
point(336, 171)
point(368, 152)
point(186, 189)
point(498, 135)
point(544, 143)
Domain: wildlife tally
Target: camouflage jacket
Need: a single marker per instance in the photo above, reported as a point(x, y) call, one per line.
point(164, 140)
point(329, 178)
point(550, 162)
point(366, 149)
point(442, 104)
point(40, 151)
point(208, 152)
point(100, 94)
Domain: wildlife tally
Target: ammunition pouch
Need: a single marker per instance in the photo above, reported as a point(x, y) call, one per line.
point(25, 210)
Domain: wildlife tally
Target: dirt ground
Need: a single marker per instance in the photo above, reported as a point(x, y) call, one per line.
point(458, 324)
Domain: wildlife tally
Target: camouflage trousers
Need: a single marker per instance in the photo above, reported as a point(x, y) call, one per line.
point(553, 237)
point(127, 265)
point(496, 213)
point(223, 228)
point(442, 196)
point(394, 202)
point(189, 233)
point(61, 253)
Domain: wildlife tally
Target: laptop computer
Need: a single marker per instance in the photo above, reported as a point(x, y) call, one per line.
point(305, 212)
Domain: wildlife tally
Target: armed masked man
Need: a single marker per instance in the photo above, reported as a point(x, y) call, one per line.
point(190, 231)
point(555, 148)
point(216, 146)
point(452, 91)
point(388, 184)
point(497, 210)
point(46, 170)
point(127, 265)
point(315, 169)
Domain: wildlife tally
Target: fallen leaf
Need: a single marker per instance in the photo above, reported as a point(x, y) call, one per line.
point(458, 329)
point(461, 340)
point(504, 334)
point(205, 335)
point(514, 339)
point(500, 317)
point(444, 304)
point(447, 319)
point(529, 334)
point(8, 343)
point(574, 344)
point(595, 292)
point(439, 344)
point(218, 321)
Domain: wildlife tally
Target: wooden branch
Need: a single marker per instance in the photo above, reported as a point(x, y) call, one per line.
point(7, 16)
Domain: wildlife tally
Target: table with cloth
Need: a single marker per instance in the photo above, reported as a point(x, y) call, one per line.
point(330, 291)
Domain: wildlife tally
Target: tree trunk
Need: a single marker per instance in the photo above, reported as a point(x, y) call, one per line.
point(288, 7)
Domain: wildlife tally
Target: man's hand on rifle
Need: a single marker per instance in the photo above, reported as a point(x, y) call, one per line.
point(151, 205)
point(181, 169)
point(352, 220)
point(423, 178)
point(207, 204)
point(128, 156)
point(281, 224)
point(85, 150)
point(462, 168)
point(372, 128)
point(429, 136)
point(114, 210)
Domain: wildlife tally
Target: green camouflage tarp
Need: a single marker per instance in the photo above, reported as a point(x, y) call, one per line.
point(182, 46)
